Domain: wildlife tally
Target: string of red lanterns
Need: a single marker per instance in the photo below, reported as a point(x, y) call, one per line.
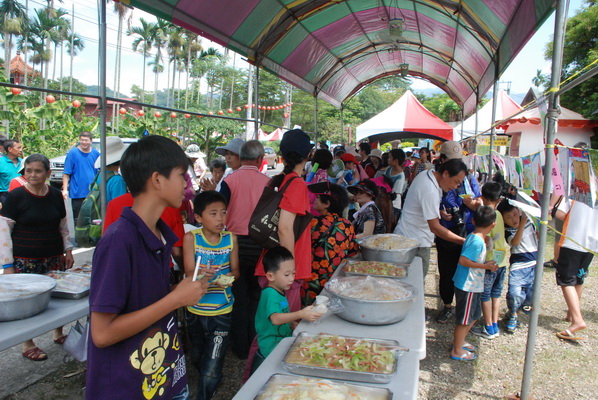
point(157, 114)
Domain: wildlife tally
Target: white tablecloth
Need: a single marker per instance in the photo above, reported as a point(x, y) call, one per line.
point(410, 332)
point(403, 386)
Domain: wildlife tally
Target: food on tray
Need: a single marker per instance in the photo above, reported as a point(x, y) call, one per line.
point(337, 352)
point(370, 288)
point(83, 269)
point(376, 268)
point(70, 283)
point(390, 242)
point(283, 387)
point(224, 280)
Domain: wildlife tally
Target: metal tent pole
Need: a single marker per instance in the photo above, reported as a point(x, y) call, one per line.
point(551, 118)
point(492, 130)
point(102, 104)
point(475, 132)
point(248, 134)
point(316, 122)
point(256, 124)
point(342, 126)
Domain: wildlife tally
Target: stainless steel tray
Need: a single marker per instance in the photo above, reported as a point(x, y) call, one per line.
point(279, 386)
point(77, 292)
point(342, 374)
point(347, 263)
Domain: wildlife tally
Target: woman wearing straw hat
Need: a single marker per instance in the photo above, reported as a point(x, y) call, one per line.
point(115, 184)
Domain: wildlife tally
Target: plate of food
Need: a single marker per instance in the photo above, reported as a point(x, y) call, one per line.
point(376, 268)
point(343, 357)
point(289, 387)
point(70, 285)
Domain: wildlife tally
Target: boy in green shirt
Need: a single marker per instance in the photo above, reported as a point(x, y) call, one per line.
point(273, 319)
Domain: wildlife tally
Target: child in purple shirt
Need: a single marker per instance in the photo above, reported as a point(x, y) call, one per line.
point(135, 349)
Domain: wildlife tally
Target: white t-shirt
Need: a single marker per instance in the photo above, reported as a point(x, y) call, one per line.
point(421, 205)
point(580, 225)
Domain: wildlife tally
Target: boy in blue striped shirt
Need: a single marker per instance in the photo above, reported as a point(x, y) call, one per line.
point(521, 235)
point(209, 321)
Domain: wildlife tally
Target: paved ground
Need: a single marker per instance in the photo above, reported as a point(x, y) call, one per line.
point(17, 373)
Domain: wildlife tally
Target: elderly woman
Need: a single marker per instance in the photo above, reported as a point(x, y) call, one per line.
point(40, 235)
point(332, 238)
point(368, 220)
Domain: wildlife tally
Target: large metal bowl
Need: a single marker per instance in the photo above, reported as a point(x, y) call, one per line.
point(370, 312)
point(397, 256)
point(24, 295)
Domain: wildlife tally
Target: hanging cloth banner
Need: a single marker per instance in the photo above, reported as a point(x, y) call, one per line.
point(557, 178)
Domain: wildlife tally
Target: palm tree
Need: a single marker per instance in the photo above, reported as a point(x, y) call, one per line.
point(175, 44)
point(157, 68)
point(143, 44)
point(121, 9)
point(539, 79)
point(192, 46)
point(73, 46)
point(206, 61)
point(15, 22)
point(60, 33)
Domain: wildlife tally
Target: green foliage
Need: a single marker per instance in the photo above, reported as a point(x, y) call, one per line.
point(580, 50)
point(442, 106)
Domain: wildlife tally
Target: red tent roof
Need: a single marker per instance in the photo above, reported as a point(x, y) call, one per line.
point(406, 118)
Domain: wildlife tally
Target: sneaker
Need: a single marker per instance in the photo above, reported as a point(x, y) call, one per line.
point(527, 310)
point(512, 323)
point(480, 330)
point(495, 328)
point(444, 315)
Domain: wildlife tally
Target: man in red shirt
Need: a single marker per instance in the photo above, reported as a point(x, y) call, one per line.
point(171, 216)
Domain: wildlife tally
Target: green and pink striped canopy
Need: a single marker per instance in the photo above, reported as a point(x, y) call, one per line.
point(333, 48)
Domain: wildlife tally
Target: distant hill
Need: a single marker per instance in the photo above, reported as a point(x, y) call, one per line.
point(94, 90)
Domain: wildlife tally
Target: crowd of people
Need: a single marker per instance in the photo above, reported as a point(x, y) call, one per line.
point(234, 291)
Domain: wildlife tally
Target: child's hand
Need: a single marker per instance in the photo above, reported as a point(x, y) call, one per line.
point(491, 265)
point(523, 218)
point(189, 292)
point(309, 314)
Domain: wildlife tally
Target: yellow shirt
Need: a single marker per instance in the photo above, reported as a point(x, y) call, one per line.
point(498, 252)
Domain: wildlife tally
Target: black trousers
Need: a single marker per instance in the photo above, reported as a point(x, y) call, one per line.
point(247, 296)
point(76, 204)
point(448, 258)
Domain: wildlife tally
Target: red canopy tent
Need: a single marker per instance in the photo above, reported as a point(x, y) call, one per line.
point(272, 136)
point(406, 118)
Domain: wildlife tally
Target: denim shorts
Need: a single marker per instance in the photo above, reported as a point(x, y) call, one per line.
point(493, 283)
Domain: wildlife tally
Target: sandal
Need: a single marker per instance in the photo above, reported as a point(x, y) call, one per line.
point(35, 354)
point(466, 346)
point(60, 340)
point(467, 356)
point(550, 264)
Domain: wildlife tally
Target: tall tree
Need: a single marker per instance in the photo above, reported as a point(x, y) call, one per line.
point(159, 40)
point(121, 10)
point(15, 22)
point(580, 50)
point(175, 45)
point(143, 45)
point(74, 45)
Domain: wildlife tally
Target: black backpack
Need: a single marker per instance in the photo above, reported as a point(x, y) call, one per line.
point(263, 224)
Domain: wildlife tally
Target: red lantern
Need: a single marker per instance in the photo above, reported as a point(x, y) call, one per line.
point(286, 115)
point(247, 106)
point(173, 115)
point(220, 112)
point(187, 115)
point(16, 91)
point(230, 111)
point(253, 106)
point(140, 113)
point(76, 103)
point(238, 109)
point(199, 116)
point(122, 111)
point(157, 114)
point(210, 113)
point(50, 99)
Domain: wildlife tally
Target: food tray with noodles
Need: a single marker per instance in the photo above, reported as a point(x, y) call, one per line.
point(388, 247)
point(375, 268)
point(343, 357)
point(70, 285)
point(288, 387)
